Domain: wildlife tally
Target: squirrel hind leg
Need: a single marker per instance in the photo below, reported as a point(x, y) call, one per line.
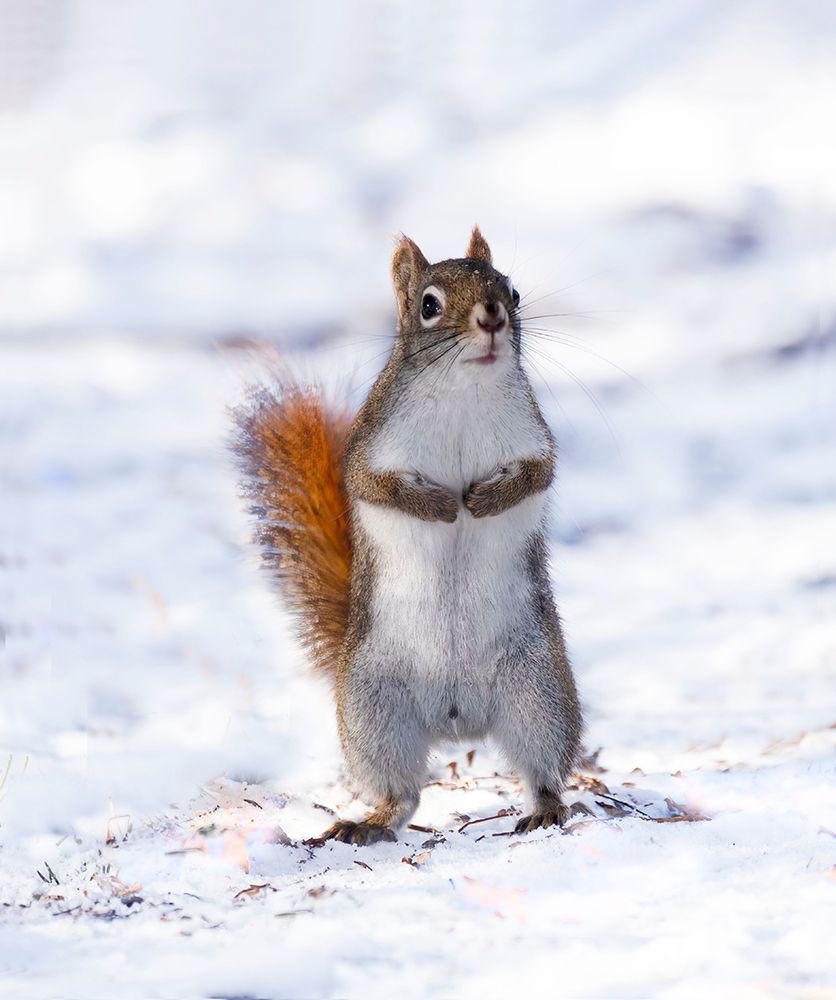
point(379, 825)
point(549, 810)
point(385, 745)
point(538, 724)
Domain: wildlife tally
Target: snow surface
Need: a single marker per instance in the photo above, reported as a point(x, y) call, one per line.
point(175, 214)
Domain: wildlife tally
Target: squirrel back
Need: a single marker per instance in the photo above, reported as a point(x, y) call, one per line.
point(290, 444)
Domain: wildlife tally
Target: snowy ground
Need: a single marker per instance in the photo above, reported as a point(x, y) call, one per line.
point(166, 763)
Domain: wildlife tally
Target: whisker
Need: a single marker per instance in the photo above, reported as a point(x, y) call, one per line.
point(445, 371)
point(580, 281)
point(366, 382)
point(585, 314)
point(514, 258)
point(372, 337)
point(559, 337)
point(435, 343)
point(589, 314)
point(584, 388)
point(528, 301)
point(551, 332)
point(425, 368)
point(450, 364)
point(547, 384)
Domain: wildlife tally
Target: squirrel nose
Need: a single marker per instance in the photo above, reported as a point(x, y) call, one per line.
point(494, 318)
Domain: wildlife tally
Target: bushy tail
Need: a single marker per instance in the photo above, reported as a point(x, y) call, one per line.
point(290, 446)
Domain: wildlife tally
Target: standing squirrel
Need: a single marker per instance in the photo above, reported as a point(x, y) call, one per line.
point(409, 544)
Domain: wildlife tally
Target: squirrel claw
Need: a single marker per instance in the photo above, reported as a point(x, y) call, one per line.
point(482, 499)
point(448, 510)
point(479, 501)
point(442, 505)
point(358, 833)
point(536, 821)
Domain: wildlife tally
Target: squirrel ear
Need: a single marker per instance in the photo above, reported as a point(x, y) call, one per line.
point(478, 248)
point(408, 264)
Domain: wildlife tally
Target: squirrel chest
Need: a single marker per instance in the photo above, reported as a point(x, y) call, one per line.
point(447, 597)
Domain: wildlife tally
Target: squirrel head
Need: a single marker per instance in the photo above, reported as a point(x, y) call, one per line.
point(462, 309)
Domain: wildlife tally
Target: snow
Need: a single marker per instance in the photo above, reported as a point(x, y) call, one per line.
point(175, 214)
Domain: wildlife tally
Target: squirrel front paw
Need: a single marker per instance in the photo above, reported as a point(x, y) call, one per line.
point(433, 501)
point(488, 497)
point(358, 833)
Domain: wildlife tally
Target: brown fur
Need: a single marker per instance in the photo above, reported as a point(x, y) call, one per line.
point(290, 444)
point(478, 248)
point(408, 265)
point(425, 500)
point(533, 475)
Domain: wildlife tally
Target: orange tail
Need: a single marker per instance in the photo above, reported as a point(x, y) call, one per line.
point(290, 446)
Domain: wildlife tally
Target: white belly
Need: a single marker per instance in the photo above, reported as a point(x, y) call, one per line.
point(447, 596)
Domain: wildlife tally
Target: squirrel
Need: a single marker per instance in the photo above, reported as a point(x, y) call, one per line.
point(408, 542)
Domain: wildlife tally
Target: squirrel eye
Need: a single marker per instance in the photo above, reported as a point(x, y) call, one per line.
point(430, 307)
point(515, 295)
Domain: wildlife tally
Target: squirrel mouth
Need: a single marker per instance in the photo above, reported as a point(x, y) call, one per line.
point(485, 359)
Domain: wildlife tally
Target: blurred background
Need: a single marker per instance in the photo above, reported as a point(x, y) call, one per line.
point(189, 188)
point(179, 169)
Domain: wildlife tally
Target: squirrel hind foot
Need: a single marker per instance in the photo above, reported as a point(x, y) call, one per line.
point(361, 834)
point(555, 816)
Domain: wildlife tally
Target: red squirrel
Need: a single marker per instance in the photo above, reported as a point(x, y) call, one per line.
point(408, 543)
